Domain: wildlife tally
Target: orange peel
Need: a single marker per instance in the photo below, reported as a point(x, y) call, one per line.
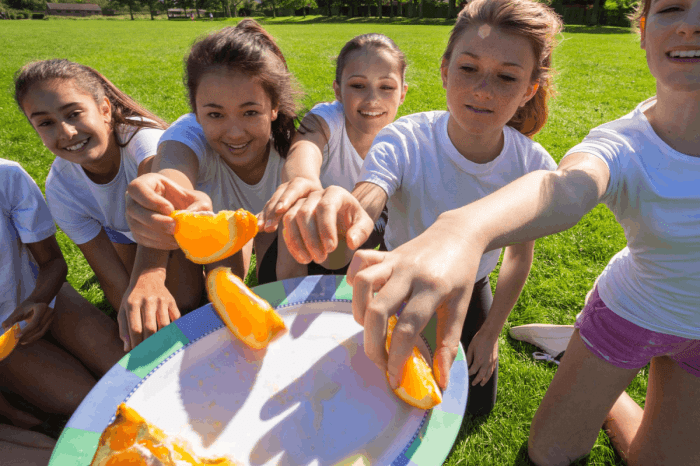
point(246, 314)
point(205, 237)
point(417, 385)
point(9, 340)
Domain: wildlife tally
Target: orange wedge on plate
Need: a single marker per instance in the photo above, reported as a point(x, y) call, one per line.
point(246, 314)
point(417, 385)
point(206, 237)
point(9, 340)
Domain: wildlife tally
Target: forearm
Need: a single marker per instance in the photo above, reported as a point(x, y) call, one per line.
point(150, 263)
point(304, 161)
point(372, 198)
point(515, 268)
point(52, 275)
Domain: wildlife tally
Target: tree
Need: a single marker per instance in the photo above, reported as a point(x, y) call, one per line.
point(131, 4)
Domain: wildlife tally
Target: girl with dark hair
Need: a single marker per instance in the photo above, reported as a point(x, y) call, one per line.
point(102, 140)
point(333, 141)
point(496, 73)
point(228, 153)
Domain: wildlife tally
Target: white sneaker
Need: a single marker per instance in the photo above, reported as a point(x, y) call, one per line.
point(552, 339)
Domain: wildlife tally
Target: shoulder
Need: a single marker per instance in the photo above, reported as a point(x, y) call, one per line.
point(187, 123)
point(328, 110)
point(418, 126)
point(628, 130)
point(14, 179)
point(533, 154)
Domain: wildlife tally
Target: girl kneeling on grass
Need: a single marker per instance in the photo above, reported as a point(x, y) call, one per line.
point(333, 141)
point(228, 154)
point(496, 71)
point(102, 140)
point(53, 373)
point(645, 167)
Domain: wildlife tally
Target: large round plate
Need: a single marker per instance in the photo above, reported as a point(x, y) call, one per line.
point(311, 398)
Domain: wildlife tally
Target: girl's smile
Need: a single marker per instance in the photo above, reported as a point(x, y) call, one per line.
point(74, 127)
point(236, 115)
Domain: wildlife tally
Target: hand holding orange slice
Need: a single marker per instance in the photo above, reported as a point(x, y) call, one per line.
point(246, 314)
point(9, 340)
point(417, 385)
point(205, 237)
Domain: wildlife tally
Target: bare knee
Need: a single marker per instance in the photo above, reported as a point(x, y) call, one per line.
point(544, 450)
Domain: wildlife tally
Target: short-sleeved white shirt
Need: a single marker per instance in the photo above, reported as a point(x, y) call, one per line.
point(654, 192)
point(341, 163)
point(82, 207)
point(424, 175)
point(226, 190)
point(25, 219)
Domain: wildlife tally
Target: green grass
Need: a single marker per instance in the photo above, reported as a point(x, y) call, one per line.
point(602, 75)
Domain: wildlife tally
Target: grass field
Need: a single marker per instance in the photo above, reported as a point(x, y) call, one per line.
point(602, 75)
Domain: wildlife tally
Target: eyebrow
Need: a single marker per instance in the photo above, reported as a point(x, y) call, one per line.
point(247, 104)
point(365, 77)
point(469, 54)
point(35, 114)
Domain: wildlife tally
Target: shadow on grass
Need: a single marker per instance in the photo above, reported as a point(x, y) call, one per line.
point(580, 29)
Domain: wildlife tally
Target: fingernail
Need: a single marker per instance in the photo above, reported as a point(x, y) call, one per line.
point(394, 382)
point(268, 224)
point(279, 206)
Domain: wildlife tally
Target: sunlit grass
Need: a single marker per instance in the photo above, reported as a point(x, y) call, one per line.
point(601, 75)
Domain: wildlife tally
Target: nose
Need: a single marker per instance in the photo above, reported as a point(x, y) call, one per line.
point(372, 94)
point(484, 88)
point(690, 26)
point(67, 130)
point(234, 132)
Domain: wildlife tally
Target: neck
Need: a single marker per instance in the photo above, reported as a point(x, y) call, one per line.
point(675, 118)
point(360, 141)
point(254, 172)
point(103, 170)
point(477, 148)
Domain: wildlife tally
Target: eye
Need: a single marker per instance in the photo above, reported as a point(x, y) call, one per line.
point(251, 113)
point(467, 68)
point(214, 115)
point(507, 78)
point(44, 123)
point(357, 86)
point(388, 88)
point(74, 114)
point(670, 9)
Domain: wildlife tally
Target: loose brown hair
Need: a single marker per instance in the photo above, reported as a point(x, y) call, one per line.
point(125, 110)
point(375, 41)
point(249, 49)
point(640, 14)
point(529, 19)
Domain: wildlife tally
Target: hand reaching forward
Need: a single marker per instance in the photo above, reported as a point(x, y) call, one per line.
point(150, 199)
point(433, 273)
point(285, 197)
point(313, 224)
point(38, 316)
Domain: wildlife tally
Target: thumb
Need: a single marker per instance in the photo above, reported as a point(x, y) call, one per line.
point(359, 227)
point(198, 202)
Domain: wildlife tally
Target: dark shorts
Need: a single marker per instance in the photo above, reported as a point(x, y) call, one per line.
point(629, 346)
point(117, 237)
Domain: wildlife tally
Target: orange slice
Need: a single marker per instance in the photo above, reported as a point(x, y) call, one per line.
point(131, 440)
point(417, 385)
point(246, 314)
point(9, 340)
point(207, 238)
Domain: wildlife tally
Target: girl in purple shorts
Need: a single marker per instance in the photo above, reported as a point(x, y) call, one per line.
point(645, 307)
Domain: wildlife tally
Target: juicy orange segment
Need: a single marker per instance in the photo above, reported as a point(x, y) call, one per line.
point(246, 314)
point(417, 386)
point(9, 340)
point(207, 238)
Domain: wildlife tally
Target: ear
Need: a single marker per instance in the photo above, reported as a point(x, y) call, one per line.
point(274, 113)
point(403, 93)
point(642, 32)
point(106, 110)
point(336, 89)
point(531, 91)
point(444, 65)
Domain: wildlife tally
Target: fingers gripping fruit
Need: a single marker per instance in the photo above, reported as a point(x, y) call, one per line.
point(417, 385)
point(9, 340)
point(207, 238)
point(247, 315)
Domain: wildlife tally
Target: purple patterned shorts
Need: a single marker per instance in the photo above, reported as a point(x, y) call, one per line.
point(629, 346)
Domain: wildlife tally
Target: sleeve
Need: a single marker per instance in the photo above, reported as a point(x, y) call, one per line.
point(143, 144)
point(333, 114)
point(189, 132)
point(386, 161)
point(70, 215)
point(607, 145)
point(539, 159)
point(29, 212)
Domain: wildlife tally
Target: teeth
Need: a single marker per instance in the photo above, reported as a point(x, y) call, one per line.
point(685, 53)
point(241, 146)
point(372, 113)
point(78, 145)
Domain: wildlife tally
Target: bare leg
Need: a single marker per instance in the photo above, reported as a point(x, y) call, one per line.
point(667, 431)
point(16, 416)
point(185, 281)
point(20, 447)
point(85, 332)
point(568, 421)
point(127, 253)
point(46, 376)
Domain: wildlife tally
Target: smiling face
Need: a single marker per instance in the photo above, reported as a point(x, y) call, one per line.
point(671, 38)
point(236, 115)
point(70, 123)
point(487, 78)
point(371, 90)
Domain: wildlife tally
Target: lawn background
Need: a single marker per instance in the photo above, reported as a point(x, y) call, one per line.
point(601, 75)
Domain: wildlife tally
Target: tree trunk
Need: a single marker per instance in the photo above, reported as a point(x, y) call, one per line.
point(152, 18)
point(595, 16)
point(274, 9)
point(391, 8)
point(330, 11)
point(422, 5)
point(131, 12)
point(450, 9)
point(381, 7)
point(400, 7)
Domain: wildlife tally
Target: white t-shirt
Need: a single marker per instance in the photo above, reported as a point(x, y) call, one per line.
point(415, 162)
point(654, 192)
point(226, 190)
point(341, 163)
point(25, 219)
point(82, 207)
